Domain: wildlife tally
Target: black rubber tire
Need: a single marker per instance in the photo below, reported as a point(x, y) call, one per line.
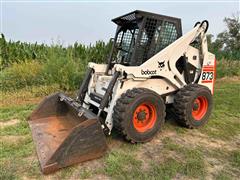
point(125, 107)
point(183, 103)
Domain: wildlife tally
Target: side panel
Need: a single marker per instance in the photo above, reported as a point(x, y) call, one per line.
point(193, 57)
point(208, 73)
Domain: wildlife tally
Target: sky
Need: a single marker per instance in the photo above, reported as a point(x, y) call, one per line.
point(66, 22)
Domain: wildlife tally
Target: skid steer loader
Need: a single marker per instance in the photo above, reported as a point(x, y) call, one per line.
point(151, 66)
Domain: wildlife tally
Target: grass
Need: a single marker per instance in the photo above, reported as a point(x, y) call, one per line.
point(16, 159)
point(166, 170)
point(122, 165)
point(223, 176)
point(194, 163)
point(224, 123)
point(9, 149)
point(16, 112)
point(85, 173)
point(165, 159)
point(7, 169)
point(235, 158)
point(19, 113)
point(20, 128)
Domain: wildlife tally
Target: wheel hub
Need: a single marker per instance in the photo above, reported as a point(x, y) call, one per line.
point(199, 107)
point(141, 115)
point(144, 117)
point(195, 106)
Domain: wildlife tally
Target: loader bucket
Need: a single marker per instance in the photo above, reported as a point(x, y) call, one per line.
point(62, 136)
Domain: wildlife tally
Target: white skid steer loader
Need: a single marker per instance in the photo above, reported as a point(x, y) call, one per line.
point(151, 65)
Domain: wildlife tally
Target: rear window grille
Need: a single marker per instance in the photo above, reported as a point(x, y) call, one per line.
point(156, 36)
point(167, 36)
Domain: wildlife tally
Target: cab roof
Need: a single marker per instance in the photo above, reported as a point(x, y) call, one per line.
point(138, 15)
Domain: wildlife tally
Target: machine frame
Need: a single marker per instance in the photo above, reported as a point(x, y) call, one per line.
point(159, 73)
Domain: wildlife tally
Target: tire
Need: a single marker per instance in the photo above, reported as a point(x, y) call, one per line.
point(192, 106)
point(139, 114)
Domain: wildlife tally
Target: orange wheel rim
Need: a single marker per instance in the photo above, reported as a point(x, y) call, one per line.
point(199, 108)
point(144, 117)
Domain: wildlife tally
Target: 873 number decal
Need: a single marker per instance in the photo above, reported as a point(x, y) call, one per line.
point(206, 76)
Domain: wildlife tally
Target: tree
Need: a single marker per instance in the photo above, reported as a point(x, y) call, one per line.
point(232, 35)
point(227, 43)
point(3, 51)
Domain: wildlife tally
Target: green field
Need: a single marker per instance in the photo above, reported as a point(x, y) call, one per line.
point(212, 152)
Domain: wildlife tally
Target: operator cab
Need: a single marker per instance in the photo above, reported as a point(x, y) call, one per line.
point(140, 35)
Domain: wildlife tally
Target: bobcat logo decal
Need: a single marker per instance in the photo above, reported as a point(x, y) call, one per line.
point(161, 65)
